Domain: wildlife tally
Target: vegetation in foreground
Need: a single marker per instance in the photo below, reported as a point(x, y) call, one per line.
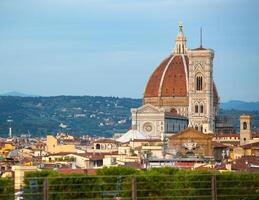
point(157, 183)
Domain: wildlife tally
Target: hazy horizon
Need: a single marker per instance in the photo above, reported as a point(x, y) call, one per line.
point(21, 94)
point(110, 47)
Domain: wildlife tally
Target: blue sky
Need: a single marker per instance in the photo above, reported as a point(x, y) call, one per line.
point(110, 47)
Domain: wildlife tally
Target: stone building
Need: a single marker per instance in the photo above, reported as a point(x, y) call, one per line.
point(182, 84)
point(154, 121)
point(53, 145)
point(190, 143)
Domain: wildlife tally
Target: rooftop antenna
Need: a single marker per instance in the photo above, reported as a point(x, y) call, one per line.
point(201, 37)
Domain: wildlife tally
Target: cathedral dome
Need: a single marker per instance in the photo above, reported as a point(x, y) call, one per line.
point(169, 79)
point(168, 84)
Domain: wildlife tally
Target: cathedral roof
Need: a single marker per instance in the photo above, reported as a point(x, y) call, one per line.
point(169, 79)
point(132, 135)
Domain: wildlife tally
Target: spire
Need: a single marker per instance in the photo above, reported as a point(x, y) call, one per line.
point(180, 27)
point(201, 37)
point(180, 42)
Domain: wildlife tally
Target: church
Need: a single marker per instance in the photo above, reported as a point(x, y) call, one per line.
point(180, 93)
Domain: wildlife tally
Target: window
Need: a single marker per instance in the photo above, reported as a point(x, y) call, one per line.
point(244, 125)
point(199, 83)
point(196, 109)
point(196, 128)
point(201, 109)
point(174, 111)
point(98, 146)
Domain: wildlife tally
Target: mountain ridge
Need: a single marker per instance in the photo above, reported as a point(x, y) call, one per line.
point(240, 105)
point(228, 105)
point(17, 94)
point(80, 115)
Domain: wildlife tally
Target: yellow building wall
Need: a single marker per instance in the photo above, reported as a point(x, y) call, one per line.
point(52, 146)
point(6, 149)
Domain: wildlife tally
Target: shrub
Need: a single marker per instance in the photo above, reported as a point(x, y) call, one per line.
point(6, 189)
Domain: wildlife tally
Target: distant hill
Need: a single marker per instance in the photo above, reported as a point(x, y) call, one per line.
point(17, 94)
point(78, 115)
point(240, 105)
point(74, 114)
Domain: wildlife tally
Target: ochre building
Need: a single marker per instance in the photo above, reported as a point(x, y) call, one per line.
point(190, 143)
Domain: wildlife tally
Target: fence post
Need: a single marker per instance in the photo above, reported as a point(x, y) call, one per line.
point(213, 188)
point(133, 188)
point(45, 189)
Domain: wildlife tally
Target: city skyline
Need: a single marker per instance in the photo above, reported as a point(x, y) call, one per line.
point(109, 48)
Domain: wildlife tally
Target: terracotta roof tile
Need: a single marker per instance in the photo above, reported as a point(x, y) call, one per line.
point(105, 140)
point(152, 86)
point(246, 163)
point(170, 77)
point(174, 81)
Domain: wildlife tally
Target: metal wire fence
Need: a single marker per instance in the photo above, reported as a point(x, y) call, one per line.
point(179, 187)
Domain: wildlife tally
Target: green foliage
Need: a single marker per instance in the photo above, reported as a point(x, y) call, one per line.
point(238, 184)
point(6, 189)
point(73, 186)
point(82, 114)
point(155, 183)
point(34, 183)
point(117, 171)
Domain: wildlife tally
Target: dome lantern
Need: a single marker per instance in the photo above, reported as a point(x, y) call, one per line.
point(180, 42)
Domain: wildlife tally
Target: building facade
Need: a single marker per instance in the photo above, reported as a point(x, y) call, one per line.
point(156, 121)
point(190, 143)
point(181, 85)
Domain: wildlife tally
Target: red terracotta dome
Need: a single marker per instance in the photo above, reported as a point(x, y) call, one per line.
point(169, 82)
point(169, 79)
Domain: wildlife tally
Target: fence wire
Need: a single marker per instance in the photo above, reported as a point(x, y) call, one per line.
point(204, 186)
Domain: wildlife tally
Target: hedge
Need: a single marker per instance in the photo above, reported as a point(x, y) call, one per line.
point(156, 183)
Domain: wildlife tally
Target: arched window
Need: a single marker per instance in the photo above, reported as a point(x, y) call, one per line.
point(98, 146)
point(199, 83)
point(174, 111)
point(196, 128)
point(196, 108)
point(201, 128)
point(244, 125)
point(201, 109)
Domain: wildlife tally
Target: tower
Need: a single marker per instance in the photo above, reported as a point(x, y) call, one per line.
point(245, 129)
point(10, 132)
point(9, 121)
point(180, 42)
point(183, 85)
point(201, 111)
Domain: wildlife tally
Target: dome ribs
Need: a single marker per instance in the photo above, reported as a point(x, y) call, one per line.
point(174, 83)
point(153, 83)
